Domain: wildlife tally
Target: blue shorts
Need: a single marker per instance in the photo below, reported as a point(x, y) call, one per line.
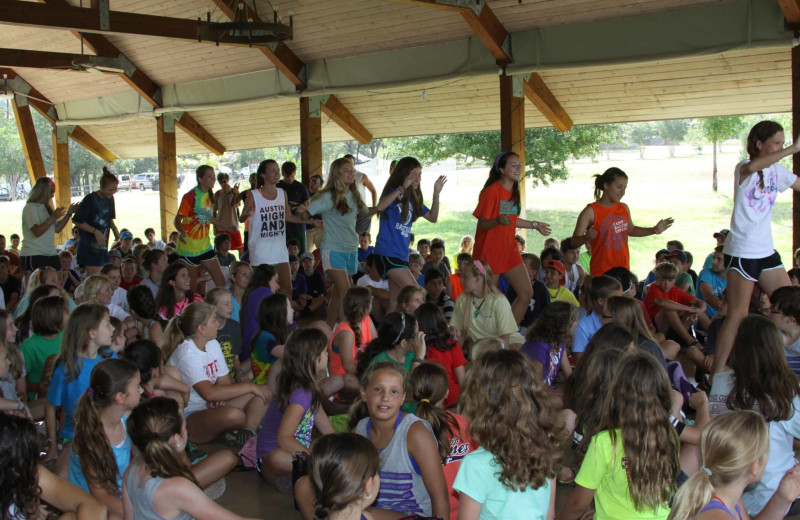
point(337, 260)
point(751, 268)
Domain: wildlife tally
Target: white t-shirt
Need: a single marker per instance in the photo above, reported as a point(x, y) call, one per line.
point(751, 234)
point(118, 312)
point(34, 214)
point(366, 281)
point(120, 298)
point(195, 366)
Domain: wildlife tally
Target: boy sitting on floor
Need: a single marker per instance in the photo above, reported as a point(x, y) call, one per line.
point(675, 311)
point(554, 280)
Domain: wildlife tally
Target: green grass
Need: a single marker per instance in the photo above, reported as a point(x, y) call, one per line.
point(658, 187)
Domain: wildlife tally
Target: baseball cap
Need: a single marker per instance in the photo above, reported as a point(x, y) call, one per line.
point(306, 256)
point(558, 266)
point(661, 252)
point(116, 253)
point(722, 233)
point(125, 234)
point(677, 253)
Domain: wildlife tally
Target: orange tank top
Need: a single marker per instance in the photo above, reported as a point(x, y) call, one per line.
point(610, 246)
point(334, 356)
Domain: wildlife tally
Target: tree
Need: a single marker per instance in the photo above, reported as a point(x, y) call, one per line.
point(640, 134)
point(716, 129)
point(672, 131)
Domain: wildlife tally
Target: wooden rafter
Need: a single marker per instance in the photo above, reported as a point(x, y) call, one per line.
point(546, 102)
point(339, 113)
point(87, 20)
point(38, 59)
point(791, 10)
point(38, 101)
point(138, 80)
point(27, 135)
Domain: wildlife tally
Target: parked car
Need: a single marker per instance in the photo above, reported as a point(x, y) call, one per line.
point(5, 194)
point(145, 181)
point(124, 182)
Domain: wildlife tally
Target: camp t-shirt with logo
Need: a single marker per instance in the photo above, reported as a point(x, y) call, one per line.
point(395, 233)
point(497, 246)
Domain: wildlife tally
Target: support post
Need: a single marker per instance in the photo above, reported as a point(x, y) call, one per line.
point(167, 174)
point(512, 124)
point(310, 138)
point(61, 175)
point(27, 135)
point(795, 157)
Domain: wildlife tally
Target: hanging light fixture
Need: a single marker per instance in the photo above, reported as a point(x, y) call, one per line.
point(243, 29)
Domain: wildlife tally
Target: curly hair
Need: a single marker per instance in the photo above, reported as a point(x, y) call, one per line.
point(588, 388)
point(19, 480)
point(511, 416)
point(641, 418)
point(428, 385)
point(151, 425)
point(411, 200)
point(338, 189)
point(396, 327)
point(495, 174)
point(555, 324)
point(141, 301)
point(300, 355)
point(341, 464)
point(762, 374)
point(90, 443)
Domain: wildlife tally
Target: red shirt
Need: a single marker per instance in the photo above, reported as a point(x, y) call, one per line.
point(674, 294)
point(450, 360)
point(133, 283)
point(456, 286)
point(497, 246)
point(460, 445)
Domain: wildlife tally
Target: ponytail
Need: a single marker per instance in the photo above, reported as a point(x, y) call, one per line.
point(428, 385)
point(608, 177)
point(692, 496)
point(185, 325)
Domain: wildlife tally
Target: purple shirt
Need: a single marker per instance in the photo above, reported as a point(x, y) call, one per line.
point(250, 316)
point(548, 355)
point(268, 436)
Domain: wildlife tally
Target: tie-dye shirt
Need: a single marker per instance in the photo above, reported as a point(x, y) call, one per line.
point(197, 209)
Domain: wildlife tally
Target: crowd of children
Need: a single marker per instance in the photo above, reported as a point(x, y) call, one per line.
point(470, 392)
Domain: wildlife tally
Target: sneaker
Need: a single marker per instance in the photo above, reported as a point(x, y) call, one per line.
point(194, 453)
point(238, 438)
point(215, 490)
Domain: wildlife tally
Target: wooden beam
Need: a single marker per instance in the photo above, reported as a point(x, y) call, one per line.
point(138, 80)
point(82, 137)
point(27, 134)
point(791, 10)
point(38, 59)
point(310, 138)
point(796, 135)
point(167, 174)
point(284, 59)
point(512, 124)
point(546, 102)
point(339, 113)
point(87, 20)
point(199, 134)
point(491, 32)
point(61, 176)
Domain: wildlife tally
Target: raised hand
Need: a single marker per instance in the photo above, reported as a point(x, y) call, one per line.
point(439, 184)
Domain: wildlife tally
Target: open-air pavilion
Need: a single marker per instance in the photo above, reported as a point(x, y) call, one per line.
point(140, 78)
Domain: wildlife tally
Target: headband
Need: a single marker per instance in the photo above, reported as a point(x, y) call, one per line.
point(480, 267)
point(497, 160)
point(402, 328)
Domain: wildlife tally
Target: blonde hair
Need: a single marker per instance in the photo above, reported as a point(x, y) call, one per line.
point(626, 312)
point(92, 286)
point(490, 291)
point(665, 271)
point(405, 295)
point(729, 446)
point(35, 279)
point(40, 193)
point(483, 346)
point(185, 325)
point(338, 189)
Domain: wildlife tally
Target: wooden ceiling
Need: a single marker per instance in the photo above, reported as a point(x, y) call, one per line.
point(731, 82)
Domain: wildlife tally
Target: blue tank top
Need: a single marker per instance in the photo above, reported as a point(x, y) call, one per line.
point(717, 504)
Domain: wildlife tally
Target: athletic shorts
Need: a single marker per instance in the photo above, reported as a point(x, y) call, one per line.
point(337, 260)
point(236, 239)
point(385, 264)
point(34, 262)
point(751, 268)
point(195, 261)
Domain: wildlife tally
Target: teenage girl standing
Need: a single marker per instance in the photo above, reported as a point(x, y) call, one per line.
point(749, 253)
point(402, 203)
point(606, 224)
point(498, 219)
point(267, 210)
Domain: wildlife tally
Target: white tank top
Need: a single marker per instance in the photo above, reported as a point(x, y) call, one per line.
point(267, 237)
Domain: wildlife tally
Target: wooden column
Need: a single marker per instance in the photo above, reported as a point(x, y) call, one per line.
point(27, 134)
point(795, 157)
point(512, 123)
point(61, 175)
point(167, 174)
point(310, 138)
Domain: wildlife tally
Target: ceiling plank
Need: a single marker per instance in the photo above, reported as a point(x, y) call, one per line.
point(537, 91)
point(43, 105)
point(791, 10)
point(339, 113)
point(139, 81)
point(38, 59)
point(87, 20)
